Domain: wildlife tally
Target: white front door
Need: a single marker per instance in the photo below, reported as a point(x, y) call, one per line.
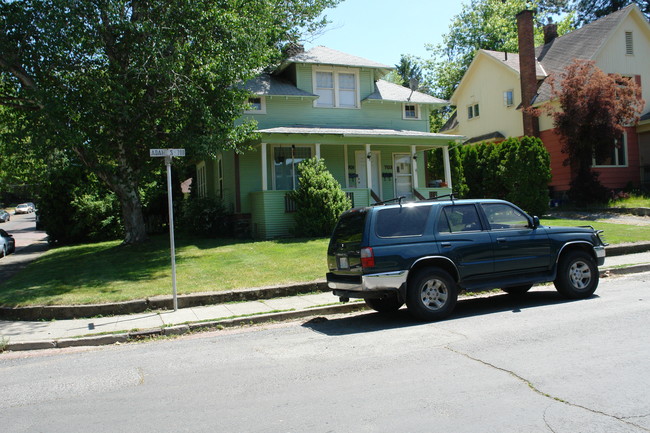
point(360, 160)
point(403, 175)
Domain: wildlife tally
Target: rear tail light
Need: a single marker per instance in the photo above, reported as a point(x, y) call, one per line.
point(367, 258)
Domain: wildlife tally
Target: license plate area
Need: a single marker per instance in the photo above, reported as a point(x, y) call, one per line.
point(342, 263)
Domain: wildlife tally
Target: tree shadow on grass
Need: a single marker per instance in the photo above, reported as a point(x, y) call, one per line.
point(63, 270)
point(465, 308)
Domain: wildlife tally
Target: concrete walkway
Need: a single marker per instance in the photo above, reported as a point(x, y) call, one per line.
point(30, 335)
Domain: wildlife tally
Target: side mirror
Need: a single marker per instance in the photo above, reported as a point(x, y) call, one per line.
point(536, 222)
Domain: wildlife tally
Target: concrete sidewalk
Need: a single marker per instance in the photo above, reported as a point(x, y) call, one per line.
point(30, 335)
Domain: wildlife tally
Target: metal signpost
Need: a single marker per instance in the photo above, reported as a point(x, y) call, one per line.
point(168, 154)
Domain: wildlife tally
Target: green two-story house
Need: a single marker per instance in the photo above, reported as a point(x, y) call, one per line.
point(372, 135)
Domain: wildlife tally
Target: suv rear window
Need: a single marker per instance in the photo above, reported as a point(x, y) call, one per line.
point(401, 221)
point(350, 227)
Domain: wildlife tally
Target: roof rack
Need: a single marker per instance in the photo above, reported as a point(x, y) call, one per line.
point(397, 199)
point(451, 197)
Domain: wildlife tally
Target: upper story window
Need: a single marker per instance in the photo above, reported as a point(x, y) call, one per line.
point(629, 43)
point(472, 111)
point(617, 156)
point(411, 112)
point(336, 89)
point(256, 105)
point(509, 98)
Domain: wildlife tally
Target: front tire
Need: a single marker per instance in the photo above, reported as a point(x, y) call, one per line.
point(431, 295)
point(386, 304)
point(577, 275)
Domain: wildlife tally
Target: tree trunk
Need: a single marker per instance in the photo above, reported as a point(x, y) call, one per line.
point(132, 217)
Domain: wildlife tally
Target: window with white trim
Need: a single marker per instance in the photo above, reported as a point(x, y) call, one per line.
point(617, 156)
point(411, 112)
point(509, 98)
point(336, 88)
point(256, 105)
point(201, 189)
point(472, 111)
point(285, 165)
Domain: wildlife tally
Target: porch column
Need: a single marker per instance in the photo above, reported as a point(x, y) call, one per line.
point(415, 167)
point(368, 167)
point(318, 150)
point(445, 157)
point(265, 181)
point(345, 162)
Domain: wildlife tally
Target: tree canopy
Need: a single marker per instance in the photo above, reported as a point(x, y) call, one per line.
point(103, 81)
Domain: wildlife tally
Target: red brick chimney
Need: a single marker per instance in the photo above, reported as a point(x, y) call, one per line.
point(527, 70)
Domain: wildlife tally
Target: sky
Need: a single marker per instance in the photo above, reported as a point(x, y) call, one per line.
point(383, 30)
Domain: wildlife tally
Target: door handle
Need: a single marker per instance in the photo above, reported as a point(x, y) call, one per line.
point(446, 244)
point(502, 240)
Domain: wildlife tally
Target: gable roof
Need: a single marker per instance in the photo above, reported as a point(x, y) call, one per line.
point(584, 43)
point(326, 56)
point(387, 91)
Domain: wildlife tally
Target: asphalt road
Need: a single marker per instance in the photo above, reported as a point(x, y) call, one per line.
point(29, 243)
point(541, 364)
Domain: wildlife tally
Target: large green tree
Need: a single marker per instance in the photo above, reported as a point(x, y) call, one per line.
point(106, 80)
point(482, 24)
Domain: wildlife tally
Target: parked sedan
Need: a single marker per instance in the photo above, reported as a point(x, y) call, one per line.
point(23, 208)
point(4, 216)
point(7, 243)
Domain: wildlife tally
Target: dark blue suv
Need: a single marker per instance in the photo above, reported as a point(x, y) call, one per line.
point(424, 253)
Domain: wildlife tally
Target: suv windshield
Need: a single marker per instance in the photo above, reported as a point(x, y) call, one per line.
point(402, 221)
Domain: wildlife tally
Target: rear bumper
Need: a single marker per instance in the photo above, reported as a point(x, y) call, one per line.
point(367, 286)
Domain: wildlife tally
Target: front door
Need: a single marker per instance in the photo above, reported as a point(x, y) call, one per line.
point(362, 180)
point(403, 173)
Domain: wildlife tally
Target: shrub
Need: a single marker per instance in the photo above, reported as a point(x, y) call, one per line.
point(205, 217)
point(319, 199)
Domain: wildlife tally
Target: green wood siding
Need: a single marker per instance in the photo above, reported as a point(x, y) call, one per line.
point(269, 220)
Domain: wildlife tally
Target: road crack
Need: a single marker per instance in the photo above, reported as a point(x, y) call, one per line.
point(532, 386)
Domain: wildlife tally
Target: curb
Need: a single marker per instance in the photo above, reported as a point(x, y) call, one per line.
point(121, 338)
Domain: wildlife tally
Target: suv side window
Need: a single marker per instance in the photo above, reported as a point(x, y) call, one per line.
point(402, 221)
point(502, 216)
point(459, 218)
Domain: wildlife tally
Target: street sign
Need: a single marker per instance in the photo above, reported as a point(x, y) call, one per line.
point(166, 152)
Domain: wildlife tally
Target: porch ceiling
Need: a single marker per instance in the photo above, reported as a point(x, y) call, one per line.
point(374, 136)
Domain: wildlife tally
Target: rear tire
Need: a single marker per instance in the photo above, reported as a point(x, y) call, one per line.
point(431, 294)
point(387, 304)
point(518, 290)
point(577, 275)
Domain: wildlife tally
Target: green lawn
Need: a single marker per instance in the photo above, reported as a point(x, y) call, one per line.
point(630, 202)
point(106, 272)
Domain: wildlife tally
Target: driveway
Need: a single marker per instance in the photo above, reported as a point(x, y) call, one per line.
point(30, 243)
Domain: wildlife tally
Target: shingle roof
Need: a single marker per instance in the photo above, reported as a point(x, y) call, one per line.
point(267, 85)
point(555, 56)
point(327, 56)
point(645, 117)
point(512, 61)
point(386, 91)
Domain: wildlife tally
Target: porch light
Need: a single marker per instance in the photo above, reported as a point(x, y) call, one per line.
point(369, 155)
point(415, 157)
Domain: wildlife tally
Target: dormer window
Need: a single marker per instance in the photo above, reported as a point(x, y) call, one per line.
point(256, 105)
point(336, 89)
point(411, 112)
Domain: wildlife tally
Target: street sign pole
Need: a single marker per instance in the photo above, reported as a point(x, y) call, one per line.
point(168, 154)
point(170, 204)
